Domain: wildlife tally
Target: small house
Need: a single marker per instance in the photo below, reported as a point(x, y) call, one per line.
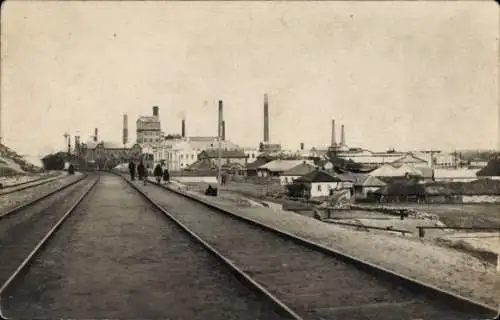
point(366, 184)
point(276, 168)
point(296, 172)
point(319, 183)
point(227, 156)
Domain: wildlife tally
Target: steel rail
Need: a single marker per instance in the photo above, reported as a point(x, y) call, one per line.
point(381, 272)
point(34, 183)
point(31, 181)
point(34, 201)
point(281, 307)
point(24, 266)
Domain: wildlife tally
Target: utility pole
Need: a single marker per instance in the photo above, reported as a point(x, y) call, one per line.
point(219, 150)
point(67, 138)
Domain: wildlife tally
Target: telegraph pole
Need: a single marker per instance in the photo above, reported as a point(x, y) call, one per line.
point(219, 150)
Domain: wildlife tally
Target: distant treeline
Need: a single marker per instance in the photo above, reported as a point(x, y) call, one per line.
point(469, 155)
point(54, 161)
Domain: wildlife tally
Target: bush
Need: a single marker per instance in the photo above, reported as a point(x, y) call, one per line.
point(53, 162)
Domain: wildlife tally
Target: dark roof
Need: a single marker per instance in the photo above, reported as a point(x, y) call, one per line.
point(214, 153)
point(257, 163)
point(201, 165)
point(299, 170)
point(491, 169)
point(319, 176)
point(368, 181)
point(402, 188)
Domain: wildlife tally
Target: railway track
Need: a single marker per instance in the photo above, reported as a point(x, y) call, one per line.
point(39, 198)
point(314, 281)
point(27, 184)
point(24, 234)
point(116, 256)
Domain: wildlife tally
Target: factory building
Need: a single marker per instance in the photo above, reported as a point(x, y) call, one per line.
point(148, 129)
point(105, 154)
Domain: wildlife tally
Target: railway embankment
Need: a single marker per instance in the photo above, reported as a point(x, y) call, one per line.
point(421, 259)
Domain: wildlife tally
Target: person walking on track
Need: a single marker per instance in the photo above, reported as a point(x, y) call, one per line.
point(146, 174)
point(158, 172)
point(131, 169)
point(141, 170)
point(166, 175)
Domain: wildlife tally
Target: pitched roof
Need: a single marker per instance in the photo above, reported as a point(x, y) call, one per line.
point(280, 165)
point(299, 170)
point(204, 164)
point(214, 153)
point(409, 158)
point(368, 181)
point(319, 176)
point(257, 163)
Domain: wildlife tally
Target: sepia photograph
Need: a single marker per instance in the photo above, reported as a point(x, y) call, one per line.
point(220, 160)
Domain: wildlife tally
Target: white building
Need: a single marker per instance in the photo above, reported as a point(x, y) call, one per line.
point(321, 183)
point(181, 153)
point(252, 154)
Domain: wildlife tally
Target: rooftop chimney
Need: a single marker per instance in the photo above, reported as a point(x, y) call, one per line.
point(334, 141)
point(302, 146)
point(342, 136)
point(95, 134)
point(223, 130)
point(183, 129)
point(266, 119)
point(125, 129)
point(219, 123)
point(156, 112)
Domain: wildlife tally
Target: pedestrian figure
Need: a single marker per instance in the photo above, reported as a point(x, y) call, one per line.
point(166, 175)
point(158, 173)
point(140, 170)
point(131, 169)
point(146, 174)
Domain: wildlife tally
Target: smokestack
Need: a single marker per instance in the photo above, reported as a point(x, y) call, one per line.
point(302, 146)
point(342, 136)
point(266, 119)
point(156, 112)
point(219, 123)
point(183, 129)
point(334, 141)
point(95, 134)
point(223, 130)
point(125, 130)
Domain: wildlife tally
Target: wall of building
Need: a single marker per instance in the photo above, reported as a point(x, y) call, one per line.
point(284, 180)
point(195, 179)
point(252, 154)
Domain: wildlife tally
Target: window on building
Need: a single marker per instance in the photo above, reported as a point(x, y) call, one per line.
point(182, 156)
point(319, 187)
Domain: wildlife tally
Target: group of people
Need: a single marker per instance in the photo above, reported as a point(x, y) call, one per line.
point(159, 172)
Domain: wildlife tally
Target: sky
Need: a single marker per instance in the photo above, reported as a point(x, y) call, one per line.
point(407, 75)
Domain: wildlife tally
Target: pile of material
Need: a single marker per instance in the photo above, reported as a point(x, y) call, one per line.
point(13, 164)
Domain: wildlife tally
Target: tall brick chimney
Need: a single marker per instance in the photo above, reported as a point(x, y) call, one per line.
point(219, 123)
point(342, 136)
point(156, 111)
point(266, 119)
point(95, 134)
point(125, 129)
point(183, 128)
point(334, 140)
